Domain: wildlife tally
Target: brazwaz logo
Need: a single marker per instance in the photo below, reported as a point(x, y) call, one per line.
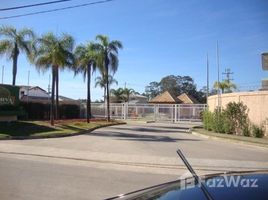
point(5, 97)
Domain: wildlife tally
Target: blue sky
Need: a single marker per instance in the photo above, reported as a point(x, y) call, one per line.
point(160, 37)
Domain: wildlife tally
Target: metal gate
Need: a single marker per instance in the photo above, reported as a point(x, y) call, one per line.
point(150, 112)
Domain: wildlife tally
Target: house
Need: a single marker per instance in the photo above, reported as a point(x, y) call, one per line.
point(137, 99)
point(36, 102)
point(33, 94)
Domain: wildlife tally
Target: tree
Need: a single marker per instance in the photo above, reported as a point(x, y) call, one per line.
point(86, 56)
point(176, 85)
point(224, 86)
point(15, 42)
point(54, 53)
point(118, 94)
point(108, 61)
point(101, 82)
point(122, 95)
point(169, 83)
point(152, 90)
point(126, 93)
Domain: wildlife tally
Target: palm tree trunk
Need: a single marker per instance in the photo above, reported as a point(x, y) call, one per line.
point(15, 64)
point(57, 93)
point(88, 93)
point(107, 94)
point(52, 110)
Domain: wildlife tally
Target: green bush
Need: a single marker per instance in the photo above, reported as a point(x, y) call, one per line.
point(232, 120)
point(227, 124)
point(218, 119)
point(237, 115)
point(207, 118)
point(257, 131)
point(246, 131)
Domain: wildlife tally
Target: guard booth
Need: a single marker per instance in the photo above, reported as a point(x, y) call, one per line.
point(9, 103)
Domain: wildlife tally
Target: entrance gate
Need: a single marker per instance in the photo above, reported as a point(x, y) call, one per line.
point(150, 112)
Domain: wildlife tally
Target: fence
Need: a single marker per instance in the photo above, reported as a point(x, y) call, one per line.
point(150, 112)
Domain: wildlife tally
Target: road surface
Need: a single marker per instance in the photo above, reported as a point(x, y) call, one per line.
point(114, 160)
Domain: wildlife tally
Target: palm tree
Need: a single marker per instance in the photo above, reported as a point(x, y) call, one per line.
point(108, 61)
point(224, 86)
point(118, 94)
point(86, 56)
point(126, 93)
point(15, 42)
point(55, 53)
point(101, 82)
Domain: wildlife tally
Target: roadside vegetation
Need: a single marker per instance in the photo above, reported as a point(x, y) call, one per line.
point(42, 129)
point(58, 52)
point(232, 120)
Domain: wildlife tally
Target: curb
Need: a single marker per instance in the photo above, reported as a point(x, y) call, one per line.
point(231, 140)
point(61, 135)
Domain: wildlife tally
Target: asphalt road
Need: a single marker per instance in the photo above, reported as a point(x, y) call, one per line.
point(114, 160)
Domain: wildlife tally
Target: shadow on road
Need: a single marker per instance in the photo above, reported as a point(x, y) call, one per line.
point(138, 137)
point(152, 130)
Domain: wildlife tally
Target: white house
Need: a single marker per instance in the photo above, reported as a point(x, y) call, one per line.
point(35, 91)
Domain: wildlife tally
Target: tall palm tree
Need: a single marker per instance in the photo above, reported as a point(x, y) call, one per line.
point(101, 82)
point(86, 56)
point(224, 86)
point(53, 53)
point(108, 59)
point(15, 42)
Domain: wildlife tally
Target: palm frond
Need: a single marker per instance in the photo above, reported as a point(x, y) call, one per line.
point(6, 47)
point(8, 31)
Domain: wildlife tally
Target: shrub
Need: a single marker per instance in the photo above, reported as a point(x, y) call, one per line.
point(237, 115)
point(246, 130)
point(207, 118)
point(217, 123)
point(257, 131)
point(227, 125)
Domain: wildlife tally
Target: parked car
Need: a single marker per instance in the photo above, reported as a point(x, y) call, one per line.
point(246, 185)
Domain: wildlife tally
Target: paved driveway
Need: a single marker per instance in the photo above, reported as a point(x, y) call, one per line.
point(114, 160)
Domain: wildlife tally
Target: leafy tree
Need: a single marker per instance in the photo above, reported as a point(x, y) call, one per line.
point(176, 85)
point(170, 83)
point(108, 61)
point(152, 90)
point(14, 42)
point(54, 53)
point(86, 56)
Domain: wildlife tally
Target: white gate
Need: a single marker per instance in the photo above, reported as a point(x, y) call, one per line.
point(150, 112)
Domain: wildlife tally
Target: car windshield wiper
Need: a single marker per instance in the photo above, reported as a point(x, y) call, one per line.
point(197, 179)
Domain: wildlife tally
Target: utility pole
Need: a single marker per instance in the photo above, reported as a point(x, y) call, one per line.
point(3, 68)
point(218, 66)
point(207, 77)
point(228, 74)
point(125, 85)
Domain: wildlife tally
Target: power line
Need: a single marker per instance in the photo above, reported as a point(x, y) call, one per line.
point(33, 5)
point(58, 9)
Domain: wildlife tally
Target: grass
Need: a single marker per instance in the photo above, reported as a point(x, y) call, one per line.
point(42, 129)
point(261, 141)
